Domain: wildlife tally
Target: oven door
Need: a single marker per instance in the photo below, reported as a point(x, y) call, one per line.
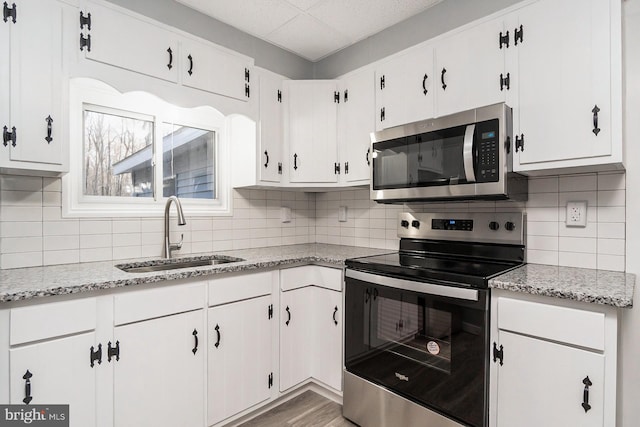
point(425, 342)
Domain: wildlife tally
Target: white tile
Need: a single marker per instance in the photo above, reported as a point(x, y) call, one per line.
point(611, 246)
point(61, 257)
point(611, 230)
point(377, 223)
point(152, 225)
point(21, 244)
point(126, 226)
point(21, 260)
point(151, 251)
point(611, 181)
point(20, 183)
point(578, 244)
point(541, 228)
point(20, 213)
point(126, 252)
point(204, 224)
point(542, 214)
point(201, 247)
point(20, 229)
point(61, 228)
point(202, 236)
point(542, 200)
point(611, 198)
point(151, 239)
point(52, 184)
point(21, 198)
point(542, 257)
point(90, 226)
point(574, 259)
point(611, 214)
point(611, 262)
point(543, 185)
point(92, 241)
point(545, 243)
point(591, 230)
point(362, 242)
point(585, 182)
point(58, 243)
point(131, 239)
point(591, 197)
point(52, 213)
point(95, 254)
point(51, 198)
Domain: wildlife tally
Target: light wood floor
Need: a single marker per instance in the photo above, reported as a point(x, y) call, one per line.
point(306, 410)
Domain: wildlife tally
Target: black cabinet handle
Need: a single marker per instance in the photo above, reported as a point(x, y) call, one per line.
point(595, 111)
point(289, 316)
point(335, 311)
point(113, 351)
point(295, 161)
point(170, 64)
point(368, 151)
point(95, 356)
point(85, 42)
point(9, 12)
point(217, 344)
point(375, 294)
point(585, 395)
point(382, 114)
point(367, 295)
point(85, 20)
point(518, 35)
point(9, 136)
point(49, 121)
point(444, 85)
point(195, 336)
point(266, 154)
point(190, 58)
point(424, 84)
point(27, 386)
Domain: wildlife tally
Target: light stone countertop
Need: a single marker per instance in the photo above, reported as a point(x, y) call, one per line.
point(580, 284)
point(34, 282)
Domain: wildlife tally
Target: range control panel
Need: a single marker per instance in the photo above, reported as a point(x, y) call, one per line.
point(472, 227)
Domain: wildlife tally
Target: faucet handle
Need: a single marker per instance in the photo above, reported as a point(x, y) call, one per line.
point(179, 244)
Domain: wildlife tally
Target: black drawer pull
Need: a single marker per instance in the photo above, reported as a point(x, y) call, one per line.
point(195, 336)
point(335, 311)
point(217, 329)
point(289, 316)
point(595, 111)
point(27, 386)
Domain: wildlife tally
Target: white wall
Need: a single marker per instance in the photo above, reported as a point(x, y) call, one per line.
point(629, 372)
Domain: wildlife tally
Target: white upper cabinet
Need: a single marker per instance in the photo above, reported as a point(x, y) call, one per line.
point(312, 131)
point(355, 124)
point(31, 82)
point(469, 69)
point(270, 127)
point(215, 69)
point(405, 87)
point(568, 81)
point(130, 42)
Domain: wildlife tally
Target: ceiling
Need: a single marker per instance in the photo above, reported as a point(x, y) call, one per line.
point(312, 29)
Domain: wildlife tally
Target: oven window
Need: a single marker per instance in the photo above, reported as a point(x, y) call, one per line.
point(423, 160)
point(430, 349)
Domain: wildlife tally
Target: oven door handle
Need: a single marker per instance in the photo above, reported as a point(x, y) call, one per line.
point(419, 287)
point(467, 153)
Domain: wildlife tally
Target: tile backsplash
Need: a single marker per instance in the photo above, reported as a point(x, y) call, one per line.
point(33, 232)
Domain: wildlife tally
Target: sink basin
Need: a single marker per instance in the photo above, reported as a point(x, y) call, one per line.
point(174, 264)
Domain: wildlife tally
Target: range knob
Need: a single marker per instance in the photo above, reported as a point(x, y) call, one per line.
point(404, 223)
point(494, 225)
point(415, 224)
point(509, 226)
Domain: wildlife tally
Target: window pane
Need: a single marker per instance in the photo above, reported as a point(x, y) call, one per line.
point(117, 155)
point(188, 162)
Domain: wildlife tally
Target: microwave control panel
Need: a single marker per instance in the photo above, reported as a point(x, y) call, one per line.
point(488, 156)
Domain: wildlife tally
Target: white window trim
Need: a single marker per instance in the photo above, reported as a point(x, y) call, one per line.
point(75, 204)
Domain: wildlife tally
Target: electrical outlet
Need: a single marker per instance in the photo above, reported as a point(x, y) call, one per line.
point(576, 214)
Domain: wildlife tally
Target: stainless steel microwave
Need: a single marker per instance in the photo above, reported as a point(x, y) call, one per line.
point(462, 156)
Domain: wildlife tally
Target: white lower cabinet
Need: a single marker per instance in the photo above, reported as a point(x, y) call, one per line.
point(57, 372)
point(240, 374)
point(327, 340)
point(295, 336)
point(159, 374)
point(553, 362)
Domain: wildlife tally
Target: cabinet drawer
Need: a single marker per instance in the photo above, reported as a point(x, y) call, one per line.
point(52, 320)
point(149, 304)
point(240, 287)
point(562, 324)
point(298, 277)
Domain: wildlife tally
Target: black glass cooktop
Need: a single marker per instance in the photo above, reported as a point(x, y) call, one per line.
point(461, 271)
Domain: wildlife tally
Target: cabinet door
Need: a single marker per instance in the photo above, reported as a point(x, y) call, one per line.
point(296, 338)
point(206, 67)
point(312, 131)
point(327, 333)
point(270, 128)
point(125, 41)
point(159, 379)
point(541, 384)
point(563, 73)
point(60, 374)
point(405, 88)
point(469, 65)
point(35, 95)
point(355, 123)
point(239, 357)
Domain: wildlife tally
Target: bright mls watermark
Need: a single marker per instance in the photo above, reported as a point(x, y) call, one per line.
point(34, 415)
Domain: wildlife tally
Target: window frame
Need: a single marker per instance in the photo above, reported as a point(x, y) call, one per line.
point(85, 92)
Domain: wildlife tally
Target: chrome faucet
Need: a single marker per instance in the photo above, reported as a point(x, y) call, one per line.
point(168, 246)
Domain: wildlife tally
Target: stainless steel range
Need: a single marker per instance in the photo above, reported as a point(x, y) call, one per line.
point(417, 320)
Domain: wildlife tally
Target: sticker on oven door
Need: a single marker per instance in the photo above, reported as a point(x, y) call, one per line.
point(433, 347)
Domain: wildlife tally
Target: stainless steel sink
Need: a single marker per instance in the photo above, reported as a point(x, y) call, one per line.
point(174, 264)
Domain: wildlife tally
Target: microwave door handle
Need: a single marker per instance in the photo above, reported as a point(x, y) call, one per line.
point(467, 153)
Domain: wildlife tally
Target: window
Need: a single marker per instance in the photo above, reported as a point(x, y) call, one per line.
point(131, 151)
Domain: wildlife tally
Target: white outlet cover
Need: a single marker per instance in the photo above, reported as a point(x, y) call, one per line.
point(576, 214)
